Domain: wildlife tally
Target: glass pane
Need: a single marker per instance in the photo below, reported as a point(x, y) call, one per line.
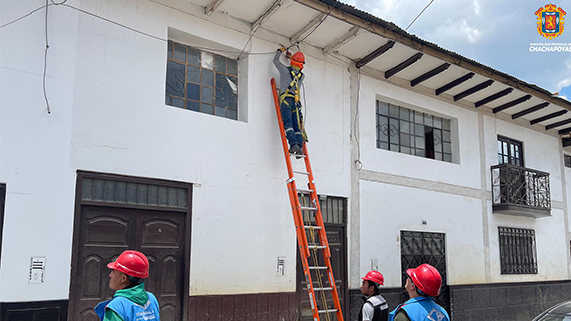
point(132, 193)
point(428, 120)
point(394, 148)
point(394, 111)
point(404, 113)
point(232, 114)
point(418, 118)
point(207, 95)
point(506, 161)
point(178, 102)
point(500, 158)
point(205, 108)
point(142, 194)
point(163, 198)
point(193, 56)
point(169, 50)
point(437, 140)
point(405, 139)
point(175, 79)
point(232, 67)
point(384, 146)
point(223, 91)
point(192, 105)
point(499, 147)
point(207, 60)
point(437, 122)
point(168, 100)
point(193, 91)
point(438, 156)
point(207, 78)
point(446, 136)
point(420, 152)
point(412, 141)
point(179, 52)
point(121, 192)
point(445, 123)
point(512, 153)
point(405, 150)
point(193, 74)
point(220, 111)
point(419, 130)
point(404, 126)
point(394, 128)
point(505, 151)
point(419, 142)
point(153, 195)
point(447, 147)
point(383, 108)
point(220, 63)
point(382, 134)
point(447, 157)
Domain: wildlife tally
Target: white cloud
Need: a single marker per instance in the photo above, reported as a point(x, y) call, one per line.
point(476, 7)
point(563, 83)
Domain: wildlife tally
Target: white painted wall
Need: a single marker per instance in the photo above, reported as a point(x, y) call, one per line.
point(387, 209)
point(107, 88)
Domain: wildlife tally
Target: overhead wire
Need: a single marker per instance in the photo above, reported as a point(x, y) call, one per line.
point(312, 31)
point(46, 62)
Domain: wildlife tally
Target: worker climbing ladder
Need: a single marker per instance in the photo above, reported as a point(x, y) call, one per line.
point(310, 244)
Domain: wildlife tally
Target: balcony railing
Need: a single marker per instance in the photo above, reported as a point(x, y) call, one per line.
point(520, 191)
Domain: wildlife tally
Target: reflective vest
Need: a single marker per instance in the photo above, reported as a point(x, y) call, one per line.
point(129, 310)
point(421, 309)
point(293, 89)
point(379, 305)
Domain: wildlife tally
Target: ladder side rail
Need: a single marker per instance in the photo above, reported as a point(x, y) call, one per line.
point(323, 236)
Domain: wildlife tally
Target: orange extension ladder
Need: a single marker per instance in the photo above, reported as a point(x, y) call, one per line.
point(306, 230)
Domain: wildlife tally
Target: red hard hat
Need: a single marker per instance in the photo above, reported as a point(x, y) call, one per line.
point(298, 59)
point(133, 263)
point(375, 276)
point(427, 278)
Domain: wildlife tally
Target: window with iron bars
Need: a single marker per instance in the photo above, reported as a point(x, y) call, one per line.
point(201, 81)
point(567, 159)
point(412, 132)
point(518, 253)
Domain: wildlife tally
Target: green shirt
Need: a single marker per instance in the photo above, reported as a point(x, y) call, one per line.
point(136, 294)
point(401, 316)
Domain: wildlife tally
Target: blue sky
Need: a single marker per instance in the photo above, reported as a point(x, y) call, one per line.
point(496, 33)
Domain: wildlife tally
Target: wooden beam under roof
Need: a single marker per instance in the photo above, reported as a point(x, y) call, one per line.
point(493, 97)
point(564, 131)
point(454, 83)
point(379, 51)
point(511, 103)
point(213, 5)
point(398, 68)
point(473, 90)
point(530, 110)
point(567, 143)
point(308, 27)
point(558, 124)
point(417, 44)
point(429, 74)
point(263, 18)
point(352, 33)
point(547, 117)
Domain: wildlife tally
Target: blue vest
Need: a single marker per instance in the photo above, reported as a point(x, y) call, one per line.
point(129, 310)
point(421, 309)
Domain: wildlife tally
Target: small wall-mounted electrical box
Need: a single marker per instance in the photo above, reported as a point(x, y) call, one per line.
point(37, 270)
point(375, 264)
point(281, 265)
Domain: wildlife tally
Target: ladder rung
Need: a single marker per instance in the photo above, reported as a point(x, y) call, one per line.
point(322, 289)
point(298, 172)
point(308, 208)
point(316, 246)
point(325, 311)
point(298, 156)
point(318, 268)
point(309, 227)
point(307, 191)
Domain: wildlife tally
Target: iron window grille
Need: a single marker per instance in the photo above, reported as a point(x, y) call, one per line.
point(517, 251)
point(567, 159)
point(201, 81)
point(412, 132)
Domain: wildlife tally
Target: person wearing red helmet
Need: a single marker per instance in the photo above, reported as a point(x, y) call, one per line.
point(131, 302)
point(422, 284)
point(291, 79)
point(375, 307)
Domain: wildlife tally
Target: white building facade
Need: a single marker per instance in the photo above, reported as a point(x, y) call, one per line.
point(156, 131)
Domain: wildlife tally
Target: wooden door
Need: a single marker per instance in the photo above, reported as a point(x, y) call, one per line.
point(105, 232)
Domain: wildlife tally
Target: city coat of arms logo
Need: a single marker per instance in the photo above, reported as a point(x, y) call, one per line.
point(550, 21)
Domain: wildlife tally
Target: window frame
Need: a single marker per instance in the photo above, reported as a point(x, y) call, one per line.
point(567, 160)
point(510, 142)
point(179, 71)
point(518, 250)
point(406, 130)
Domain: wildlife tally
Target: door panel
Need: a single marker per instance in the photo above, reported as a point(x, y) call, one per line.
point(105, 233)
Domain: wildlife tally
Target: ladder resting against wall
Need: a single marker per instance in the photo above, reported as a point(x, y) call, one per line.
point(310, 230)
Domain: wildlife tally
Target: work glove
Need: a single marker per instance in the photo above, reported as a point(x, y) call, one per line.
point(282, 49)
point(288, 55)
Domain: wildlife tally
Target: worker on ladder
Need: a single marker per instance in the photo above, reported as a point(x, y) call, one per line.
point(291, 79)
point(375, 307)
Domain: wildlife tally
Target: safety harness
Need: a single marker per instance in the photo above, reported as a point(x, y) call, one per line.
point(292, 91)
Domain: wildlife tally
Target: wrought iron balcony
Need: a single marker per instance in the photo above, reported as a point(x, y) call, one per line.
point(520, 191)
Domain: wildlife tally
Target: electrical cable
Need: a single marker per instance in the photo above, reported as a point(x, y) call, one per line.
point(312, 31)
point(254, 31)
point(358, 164)
point(46, 63)
point(24, 16)
point(428, 5)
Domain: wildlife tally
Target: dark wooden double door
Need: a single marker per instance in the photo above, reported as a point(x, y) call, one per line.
point(106, 232)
